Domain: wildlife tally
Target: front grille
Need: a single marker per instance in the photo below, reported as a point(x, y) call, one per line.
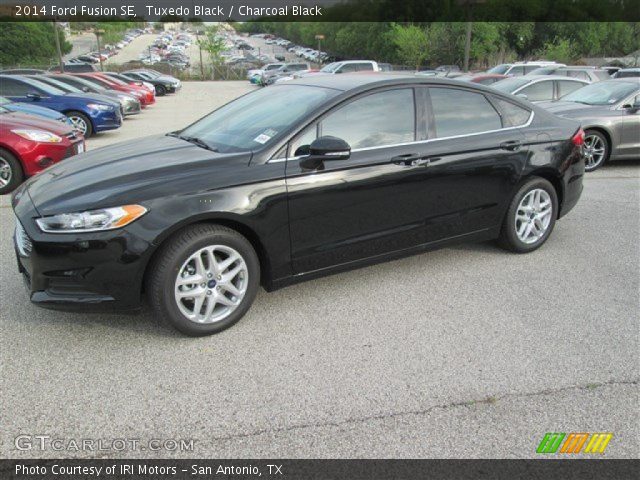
point(23, 241)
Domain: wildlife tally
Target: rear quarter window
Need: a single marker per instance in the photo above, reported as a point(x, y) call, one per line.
point(512, 115)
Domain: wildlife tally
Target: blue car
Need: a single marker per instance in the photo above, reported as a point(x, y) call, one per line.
point(88, 115)
point(34, 110)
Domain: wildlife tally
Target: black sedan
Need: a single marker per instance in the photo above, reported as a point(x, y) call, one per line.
point(163, 83)
point(288, 183)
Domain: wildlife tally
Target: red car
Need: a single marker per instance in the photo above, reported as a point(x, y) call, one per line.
point(29, 144)
point(146, 96)
point(482, 78)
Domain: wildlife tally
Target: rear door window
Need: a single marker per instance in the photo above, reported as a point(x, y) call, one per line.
point(460, 112)
point(539, 91)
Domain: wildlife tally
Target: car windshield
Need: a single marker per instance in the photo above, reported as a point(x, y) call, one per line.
point(84, 82)
point(49, 89)
point(509, 85)
point(256, 119)
point(499, 69)
point(330, 68)
point(602, 93)
point(61, 85)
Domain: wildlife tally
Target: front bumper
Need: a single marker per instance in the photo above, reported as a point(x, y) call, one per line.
point(132, 108)
point(109, 120)
point(38, 156)
point(93, 272)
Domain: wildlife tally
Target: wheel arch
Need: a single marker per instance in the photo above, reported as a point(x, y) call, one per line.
point(6, 147)
point(86, 114)
point(226, 221)
point(553, 178)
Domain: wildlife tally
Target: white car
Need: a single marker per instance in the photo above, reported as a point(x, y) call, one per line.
point(346, 66)
point(521, 68)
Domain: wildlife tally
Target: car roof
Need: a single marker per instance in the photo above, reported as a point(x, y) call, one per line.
point(352, 81)
point(624, 79)
point(553, 77)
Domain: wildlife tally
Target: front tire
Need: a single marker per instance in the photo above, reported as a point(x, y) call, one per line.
point(531, 216)
point(204, 279)
point(596, 150)
point(11, 174)
point(160, 91)
point(81, 123)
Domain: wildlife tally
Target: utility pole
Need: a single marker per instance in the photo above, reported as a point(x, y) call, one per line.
point(98, 33)
point(467, 47)
point(57, 37)
point(201, 64)
point(468, 5)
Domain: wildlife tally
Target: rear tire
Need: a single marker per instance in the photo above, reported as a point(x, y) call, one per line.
point(81, 122)
point(183, 274)
point(531, 216)
point(11, 174)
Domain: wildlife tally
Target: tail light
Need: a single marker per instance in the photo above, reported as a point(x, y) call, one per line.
point(578, 138)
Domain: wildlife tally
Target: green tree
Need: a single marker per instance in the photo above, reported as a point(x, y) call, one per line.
point(412, 43)
point(30, 43)
point(213, 44)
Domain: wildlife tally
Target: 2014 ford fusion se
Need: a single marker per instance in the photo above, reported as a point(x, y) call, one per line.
point(283, 184)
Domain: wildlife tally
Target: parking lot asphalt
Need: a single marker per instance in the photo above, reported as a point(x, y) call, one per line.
point(463, 352)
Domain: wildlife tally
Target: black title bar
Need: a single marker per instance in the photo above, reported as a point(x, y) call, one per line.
point(322, 10)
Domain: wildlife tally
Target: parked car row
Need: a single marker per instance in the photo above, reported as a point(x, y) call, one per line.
point(169, 48)
point(47, 116)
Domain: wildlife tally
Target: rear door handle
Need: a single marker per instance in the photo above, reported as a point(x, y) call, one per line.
point(511, 145)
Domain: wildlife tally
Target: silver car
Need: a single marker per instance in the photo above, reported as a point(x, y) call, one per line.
point(610, 115)
point(585, 73)
point(539, 88)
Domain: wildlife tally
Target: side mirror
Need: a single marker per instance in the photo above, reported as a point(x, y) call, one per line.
point(324, 149)
point(634, 107)
point(523, 95)
point(86, 89)
point(34, 95)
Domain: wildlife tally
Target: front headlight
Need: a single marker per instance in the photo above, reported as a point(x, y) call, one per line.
point(38, 135)
point(98, 106)
point(91, 221)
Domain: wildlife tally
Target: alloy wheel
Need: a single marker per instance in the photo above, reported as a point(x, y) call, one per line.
point(533, 216)
point(79, 124)
point(211, 284)
point(594, 151)
point(6, 174)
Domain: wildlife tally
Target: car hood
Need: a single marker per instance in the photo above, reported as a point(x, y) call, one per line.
point(34, 109)
point(164, 78)
point(28, 121)
point(571, 109)
point(131, 172)
point(84, 97)
point(99, 97)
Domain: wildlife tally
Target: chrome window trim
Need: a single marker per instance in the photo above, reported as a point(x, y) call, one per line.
point(419, 142)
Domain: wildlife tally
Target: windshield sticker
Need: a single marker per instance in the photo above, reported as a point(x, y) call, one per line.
point(262, 138)
point(265, 136)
